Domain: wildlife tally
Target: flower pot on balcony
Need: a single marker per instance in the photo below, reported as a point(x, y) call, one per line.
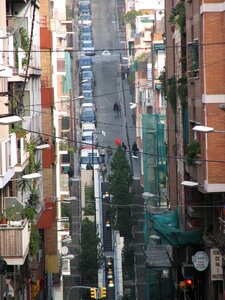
point(3, 221)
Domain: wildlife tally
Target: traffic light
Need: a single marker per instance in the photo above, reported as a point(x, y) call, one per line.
point(188, 282)
point(102, 292)
point(93, 292)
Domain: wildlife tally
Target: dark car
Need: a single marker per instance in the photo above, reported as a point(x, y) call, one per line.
point(88, 115)
point(84, 8)
point(85, 19)
point(85, 29)
point(87, 75)
point(87, 36)
point(86, 86)
point(85, 63)
point(87, 94)
point(87, 100)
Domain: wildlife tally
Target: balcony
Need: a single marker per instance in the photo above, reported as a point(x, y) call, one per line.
point(15, 238)
point(8, 159)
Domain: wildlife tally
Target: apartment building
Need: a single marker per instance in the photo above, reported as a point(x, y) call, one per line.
point(195, 93)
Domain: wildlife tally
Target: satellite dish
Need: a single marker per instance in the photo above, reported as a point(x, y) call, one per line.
point(65, 250)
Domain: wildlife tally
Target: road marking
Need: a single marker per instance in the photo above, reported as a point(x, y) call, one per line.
point(106, 52)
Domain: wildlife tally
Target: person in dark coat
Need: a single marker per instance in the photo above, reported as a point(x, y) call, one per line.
point(135, 149)
point(116, 110)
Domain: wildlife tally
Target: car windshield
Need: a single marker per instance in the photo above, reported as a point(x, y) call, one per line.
point(86, 86)
point(86, 38)
point(87, 94)
point(87, 74)
point(85, 62)
point(86, 160)
point(85, 29)
point(88, 100)
point(88, 113)
point(85, 17)
point(88, 44)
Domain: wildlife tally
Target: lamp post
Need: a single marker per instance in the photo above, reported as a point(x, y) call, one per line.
point(8, 119)
point(92, 146)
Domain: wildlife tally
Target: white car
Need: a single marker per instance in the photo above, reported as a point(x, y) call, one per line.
point(89, 156)
point(86, 139)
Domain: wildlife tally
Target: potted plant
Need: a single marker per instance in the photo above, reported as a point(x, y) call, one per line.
point(3, 217)
point(11, 214)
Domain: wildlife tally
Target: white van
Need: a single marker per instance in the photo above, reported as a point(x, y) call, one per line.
point(86, 157)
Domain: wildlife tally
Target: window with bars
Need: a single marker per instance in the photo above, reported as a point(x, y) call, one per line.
point(193, 58)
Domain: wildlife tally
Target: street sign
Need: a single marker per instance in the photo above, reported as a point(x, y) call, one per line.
point(216, 264)
point(200, 261)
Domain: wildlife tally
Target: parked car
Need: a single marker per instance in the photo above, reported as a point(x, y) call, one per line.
point(85, 20)
point(86, 104)
point(85, 63)
point(87, 94)
point(88, 127)
point(86, 37)
point(87, 75)
point(86, 86)
point(89, 156)
point(87, 115)
point(88, 48)
point(85, 29)
point(84, 8)
point(87, 138)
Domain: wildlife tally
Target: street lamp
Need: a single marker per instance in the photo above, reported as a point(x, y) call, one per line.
point(31, 176)
point(189, 183)
point(9, 119)
point(203, 129)
point(92, 146)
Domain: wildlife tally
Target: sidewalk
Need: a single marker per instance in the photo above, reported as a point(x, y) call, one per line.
point(137, 189)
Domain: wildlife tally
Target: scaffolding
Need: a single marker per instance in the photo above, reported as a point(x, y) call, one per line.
point(154, 157)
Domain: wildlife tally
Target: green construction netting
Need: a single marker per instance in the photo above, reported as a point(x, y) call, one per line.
point(154, 156)
point(167, 225)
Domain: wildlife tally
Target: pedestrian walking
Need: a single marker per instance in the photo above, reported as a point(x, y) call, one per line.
point(103, 171)
point(109, 154)
point(135, 150)
point(102, 155)
point(116, 110)
point(127, 71)
point(123, 72)
point(124, 147)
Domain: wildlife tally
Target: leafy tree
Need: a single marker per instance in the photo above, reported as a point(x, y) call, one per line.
point(130, 17)
point(91, 255)
point(120, 181)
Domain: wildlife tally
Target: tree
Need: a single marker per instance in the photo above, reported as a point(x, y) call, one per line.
point(130, 17)
point(120, 181)
point(91, 256)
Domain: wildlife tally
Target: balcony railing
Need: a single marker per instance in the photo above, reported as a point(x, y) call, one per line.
point(15, 239)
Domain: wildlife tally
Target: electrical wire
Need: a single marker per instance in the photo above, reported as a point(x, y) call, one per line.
point(124, 49)
point(165, 156)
